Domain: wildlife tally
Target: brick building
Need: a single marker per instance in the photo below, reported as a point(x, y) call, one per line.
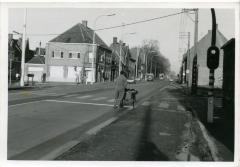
point(74, 49)
point(127, 62)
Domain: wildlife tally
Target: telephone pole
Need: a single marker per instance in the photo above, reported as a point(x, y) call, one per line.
point(23, 49)
point(194, 65)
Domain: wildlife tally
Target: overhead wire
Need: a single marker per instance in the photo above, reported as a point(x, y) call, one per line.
point(118, 26)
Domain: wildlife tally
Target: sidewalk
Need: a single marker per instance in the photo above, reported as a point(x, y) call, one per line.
point(221, 130)
point(161, 128)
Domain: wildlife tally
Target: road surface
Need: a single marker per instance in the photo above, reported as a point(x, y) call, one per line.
point(40, 121)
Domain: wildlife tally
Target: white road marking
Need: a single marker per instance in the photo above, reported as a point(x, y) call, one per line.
point(100, 126)
point(84, 97)
point(168, 110)
point(43, 93)
point(60, 150)
point(70, 95)
point(146, 103)
point(163, 104)
point(99, 98)
point(76, 102)
point(180, 107)
point(13, 105)
point(111, 100)
point(164, 134)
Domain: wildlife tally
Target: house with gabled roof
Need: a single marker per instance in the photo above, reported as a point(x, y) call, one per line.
point(127, 62)
point(202, 71)
point(73, 50)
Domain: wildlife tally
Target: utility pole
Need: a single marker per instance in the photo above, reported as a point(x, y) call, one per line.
point(23, 49)
point(194, 65)
point(212, 63)
point(185, 63)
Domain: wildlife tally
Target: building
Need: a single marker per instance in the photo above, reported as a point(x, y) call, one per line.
point(196, 68)
point(120, 49)
point(37, 67)
point(229, 78)
point(15, 56)
point(73, 49)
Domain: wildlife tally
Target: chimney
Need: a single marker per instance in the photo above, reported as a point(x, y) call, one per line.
point(84, 22)
point(114, 40)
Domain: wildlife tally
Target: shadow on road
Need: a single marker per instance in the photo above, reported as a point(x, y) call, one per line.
point(147, 150)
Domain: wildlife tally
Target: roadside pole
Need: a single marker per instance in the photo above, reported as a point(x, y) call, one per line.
point(23, 49)
point(212, 63)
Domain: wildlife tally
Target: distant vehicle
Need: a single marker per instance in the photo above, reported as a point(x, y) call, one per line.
point(149, 77)
point(170, 79)
point(137, 79)
point(161, 76)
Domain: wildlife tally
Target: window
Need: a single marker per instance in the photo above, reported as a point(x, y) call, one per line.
point(52, 53)
point(70, 55)
point(78, 55)
point(61, 54)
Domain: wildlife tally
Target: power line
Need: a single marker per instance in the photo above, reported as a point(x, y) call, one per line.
point(118, 26)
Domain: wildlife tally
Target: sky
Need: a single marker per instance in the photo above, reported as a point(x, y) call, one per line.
point(43, 24)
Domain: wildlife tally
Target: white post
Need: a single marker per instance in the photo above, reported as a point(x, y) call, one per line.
point(23, 49)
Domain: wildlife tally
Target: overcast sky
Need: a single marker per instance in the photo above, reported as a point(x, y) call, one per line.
point(44, 23)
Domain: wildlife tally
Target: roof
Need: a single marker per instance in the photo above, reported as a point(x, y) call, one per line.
point(205, 42)
point(42, 51)
point(228, 43)
point(37, 60)
point(79, 34)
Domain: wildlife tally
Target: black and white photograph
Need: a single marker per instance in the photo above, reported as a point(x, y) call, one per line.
point(121, 83)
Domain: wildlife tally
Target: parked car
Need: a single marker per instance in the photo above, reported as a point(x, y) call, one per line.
point(149, 77)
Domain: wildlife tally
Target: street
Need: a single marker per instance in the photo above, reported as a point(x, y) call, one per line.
point(63, 81)
point(57, 117)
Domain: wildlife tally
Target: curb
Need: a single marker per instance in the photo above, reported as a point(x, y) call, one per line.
point(207, 138)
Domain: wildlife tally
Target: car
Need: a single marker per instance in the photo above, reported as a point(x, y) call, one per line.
point(170, 79)
point(149, 77)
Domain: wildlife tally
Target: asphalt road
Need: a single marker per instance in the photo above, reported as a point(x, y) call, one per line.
point(42, 120)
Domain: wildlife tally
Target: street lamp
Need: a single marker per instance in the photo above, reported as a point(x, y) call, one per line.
point(94, 43)
point(23, 47)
